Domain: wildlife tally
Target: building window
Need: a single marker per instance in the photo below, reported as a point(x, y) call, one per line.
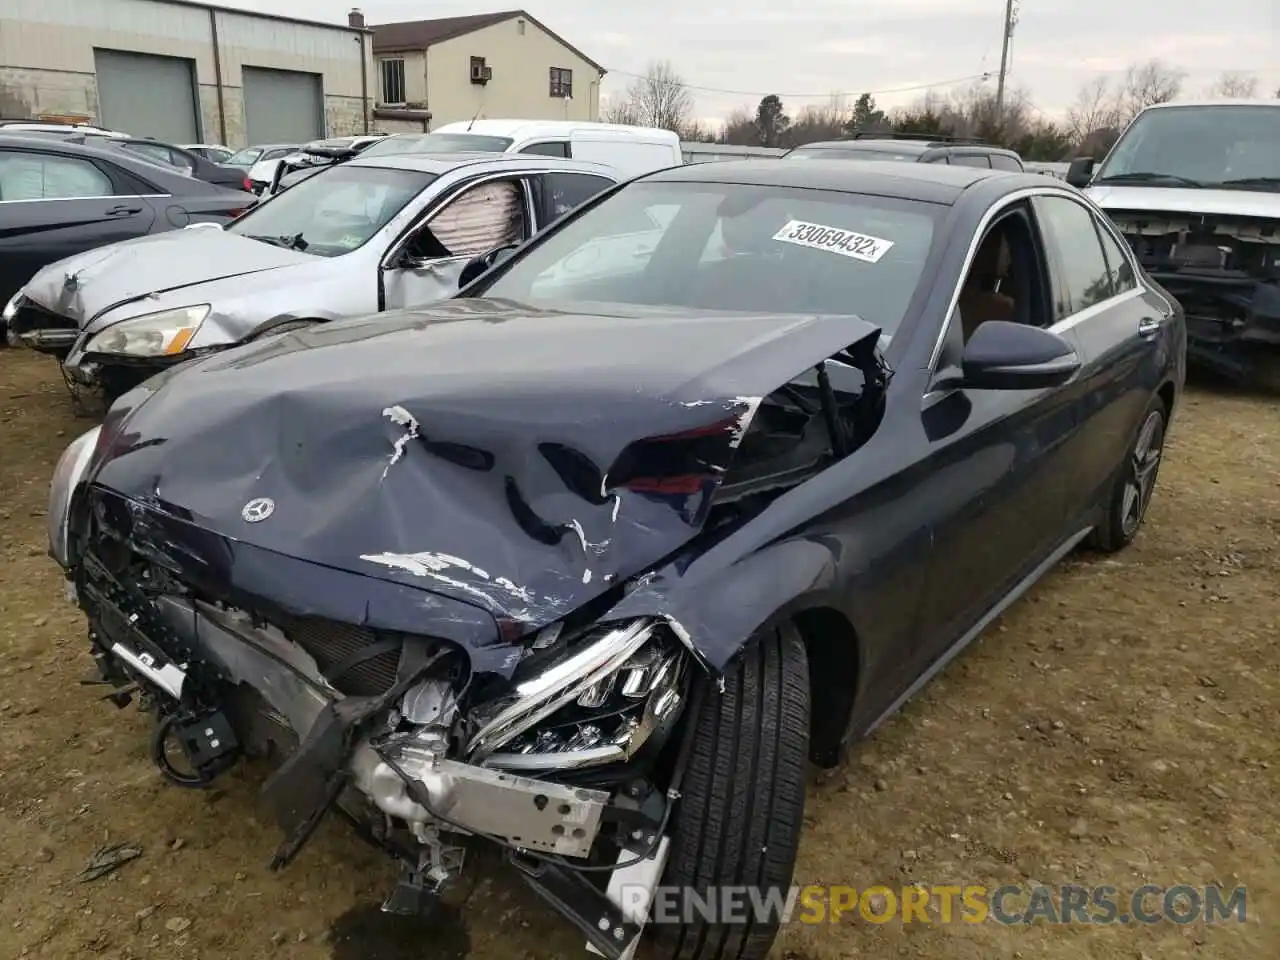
point(561, 82)
point(392, 81)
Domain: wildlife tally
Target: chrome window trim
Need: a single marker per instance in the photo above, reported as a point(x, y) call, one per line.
point(106, 196)
point(987, 218)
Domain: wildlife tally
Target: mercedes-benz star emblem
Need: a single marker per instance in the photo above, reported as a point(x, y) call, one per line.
point(258, 509)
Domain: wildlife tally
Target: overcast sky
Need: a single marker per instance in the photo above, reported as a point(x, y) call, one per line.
point(733, 52)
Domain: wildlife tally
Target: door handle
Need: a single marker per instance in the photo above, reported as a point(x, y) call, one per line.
point(1148, 327)
point(123, 211)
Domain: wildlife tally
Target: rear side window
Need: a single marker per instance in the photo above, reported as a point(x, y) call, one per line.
point(564, 191)
point(549, 148)
point(42, 176)
point(1118, 265)
point(1001, 162)
point(1080, 274)
point(971, 160)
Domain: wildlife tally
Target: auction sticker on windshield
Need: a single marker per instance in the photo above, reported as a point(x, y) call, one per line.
point(859, 246)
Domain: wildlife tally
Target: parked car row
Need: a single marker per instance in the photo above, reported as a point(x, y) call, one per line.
point(635, 498)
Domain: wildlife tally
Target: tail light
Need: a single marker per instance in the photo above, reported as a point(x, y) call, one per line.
point(248, 185)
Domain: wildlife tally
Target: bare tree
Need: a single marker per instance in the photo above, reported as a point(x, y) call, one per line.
point(1234, 84)
point(818, 122)
point(740, 129)
point(620, 108)
point(1146, 84)
point(658, 99)
point(1097, 108)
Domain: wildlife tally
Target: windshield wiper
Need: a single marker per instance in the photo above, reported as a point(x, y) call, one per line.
point(1145, 177)
point(1251, 182)
point(294, 242)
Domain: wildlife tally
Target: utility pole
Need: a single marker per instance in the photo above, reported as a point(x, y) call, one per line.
point(1010, 20)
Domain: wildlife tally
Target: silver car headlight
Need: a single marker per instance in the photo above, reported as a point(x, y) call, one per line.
point(11, 308)
point(596, 703)
point(67, 475)
point(163, 334)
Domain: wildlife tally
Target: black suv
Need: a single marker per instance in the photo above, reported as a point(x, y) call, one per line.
point(912, 147)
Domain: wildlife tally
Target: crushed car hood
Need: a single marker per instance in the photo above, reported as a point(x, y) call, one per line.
point(1244, 203)
point(82, 286)
point(521, 460)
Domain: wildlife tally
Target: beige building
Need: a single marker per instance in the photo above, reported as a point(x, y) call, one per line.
point(493, 65)
point(183, 71)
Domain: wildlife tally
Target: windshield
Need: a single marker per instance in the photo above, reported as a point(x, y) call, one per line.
point(335, 211)
point(733, 247)
point(851, 153)
point(244, 158)
point(1206, 145)
point(438, 143)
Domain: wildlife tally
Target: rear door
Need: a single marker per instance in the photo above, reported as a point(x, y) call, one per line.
point(55, 205)
point(1118, 324)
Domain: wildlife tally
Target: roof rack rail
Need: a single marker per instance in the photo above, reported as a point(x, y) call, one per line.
point(928, 137)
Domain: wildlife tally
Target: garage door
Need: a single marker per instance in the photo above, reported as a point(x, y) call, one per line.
point(147, 96)
point(282, 106)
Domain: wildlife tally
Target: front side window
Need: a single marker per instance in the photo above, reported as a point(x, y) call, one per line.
point(333, 212)
point(1002, 162)
point(483, 217)
point(1080, 275)
point(1208, 146)
point(733, 247)
point(43, 176)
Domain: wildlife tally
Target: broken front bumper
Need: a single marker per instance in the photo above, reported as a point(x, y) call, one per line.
point(537, 817)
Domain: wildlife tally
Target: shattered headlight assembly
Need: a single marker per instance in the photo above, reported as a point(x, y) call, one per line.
point(163, 334)
point(598, 703)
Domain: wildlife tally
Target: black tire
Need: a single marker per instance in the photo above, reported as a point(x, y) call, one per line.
point(742, 807)
point(1135, 484)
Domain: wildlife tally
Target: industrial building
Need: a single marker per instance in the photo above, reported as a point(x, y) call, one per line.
point(492, 65)
point(185, 72)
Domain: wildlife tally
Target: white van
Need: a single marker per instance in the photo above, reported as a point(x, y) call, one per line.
point(631, 151)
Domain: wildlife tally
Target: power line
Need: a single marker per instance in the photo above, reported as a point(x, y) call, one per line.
point(986, 75)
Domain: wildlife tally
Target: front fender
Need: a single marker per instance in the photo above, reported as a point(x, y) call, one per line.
point(717, 612)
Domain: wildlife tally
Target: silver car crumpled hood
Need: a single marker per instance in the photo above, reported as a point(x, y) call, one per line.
point(83, 286)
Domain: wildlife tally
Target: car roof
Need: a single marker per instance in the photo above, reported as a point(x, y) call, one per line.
point(1229, 102)
point(867, 143)
point(138, 164)
point(929, 182)
point(439, 163)
point(500, 127)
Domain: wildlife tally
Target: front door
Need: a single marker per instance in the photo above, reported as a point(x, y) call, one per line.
point(1002, 508)
point(482, 216)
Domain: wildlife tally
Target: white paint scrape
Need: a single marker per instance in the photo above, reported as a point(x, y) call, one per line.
point(402, 417)
point(438, 566)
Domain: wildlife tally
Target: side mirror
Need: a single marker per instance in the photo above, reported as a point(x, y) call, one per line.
point(485, 262)
point(1080, 172)
point(1012, 356)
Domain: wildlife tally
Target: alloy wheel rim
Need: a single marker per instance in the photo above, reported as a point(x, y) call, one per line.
point(1143, 464)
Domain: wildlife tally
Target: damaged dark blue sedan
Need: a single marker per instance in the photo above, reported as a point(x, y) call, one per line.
point(589, 561)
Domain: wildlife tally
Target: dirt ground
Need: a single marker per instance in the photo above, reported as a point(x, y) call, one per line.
point(1118, 727)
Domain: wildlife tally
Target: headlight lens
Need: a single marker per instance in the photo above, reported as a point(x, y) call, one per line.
point(163, 334)
point(597, 704)
point(11, 308)
point(66, 477)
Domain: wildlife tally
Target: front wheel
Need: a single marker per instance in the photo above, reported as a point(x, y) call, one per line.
point(1135, 485)
point(737, 824)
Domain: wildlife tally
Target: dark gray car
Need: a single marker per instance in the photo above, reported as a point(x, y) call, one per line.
point(58, 199)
